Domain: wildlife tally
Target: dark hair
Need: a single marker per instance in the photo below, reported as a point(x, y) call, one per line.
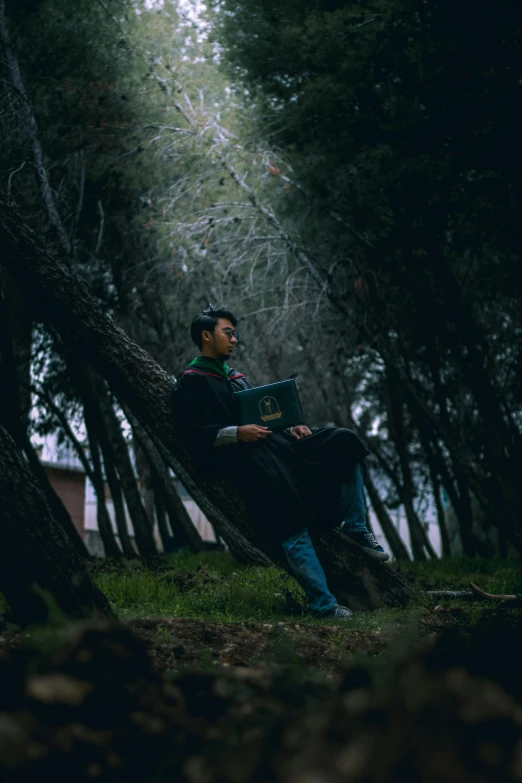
point(206, 321)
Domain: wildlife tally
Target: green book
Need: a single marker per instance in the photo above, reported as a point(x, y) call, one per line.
point(276, 406)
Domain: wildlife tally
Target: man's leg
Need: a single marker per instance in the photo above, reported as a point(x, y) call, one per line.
point(302, 558)
point(353, 503)
point(354, 510)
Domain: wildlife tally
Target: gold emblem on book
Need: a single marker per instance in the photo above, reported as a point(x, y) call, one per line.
point(269, 408)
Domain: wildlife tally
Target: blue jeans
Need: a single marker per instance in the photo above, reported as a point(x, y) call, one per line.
point(300, 551)
point(353, 503)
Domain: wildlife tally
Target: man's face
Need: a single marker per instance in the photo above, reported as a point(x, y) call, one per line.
point(221, 341)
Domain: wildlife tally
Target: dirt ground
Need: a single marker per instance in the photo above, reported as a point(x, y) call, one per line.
point(434, 697)
point(93, 707)
point(175, 643)
point(179, 644)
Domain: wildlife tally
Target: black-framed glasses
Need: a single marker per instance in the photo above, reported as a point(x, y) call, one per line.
point(230, 333)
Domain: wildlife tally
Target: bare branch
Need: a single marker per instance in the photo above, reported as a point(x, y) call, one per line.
point(100, 229)
point(11, 175)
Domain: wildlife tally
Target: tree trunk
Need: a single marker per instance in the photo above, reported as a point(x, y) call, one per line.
point(31, 127)
point(102, 515)
point(455, 486)
point(144, 473)
point(364, 584)
point(140, 522)
point(492, 502)
point(60, 299)
point(396, 543)
point(112, 478)
point(38, 565)
point(167, 539)
point(15, 418)
point(435, 484)
point(244, 551)
point(418, 538)
point(56, 505)
point(117, 500)
point(183, 529)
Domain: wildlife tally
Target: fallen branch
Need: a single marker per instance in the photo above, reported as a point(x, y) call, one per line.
point(477, 594)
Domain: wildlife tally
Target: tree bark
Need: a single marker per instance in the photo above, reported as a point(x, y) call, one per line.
point(436, 487)
point(102, 515)
point(60, 299)
point(167, 539)
point(117, 499)
point(56, 505)
point(183, 529)
point(15, 420)
point(444, 538)
point(418, 538)
point(38, 565)
point(112, 478)
point(31, 127)
point(396, 543)
point(455, 486)
point(144, 474)
point(243, 550)
point(140, 521)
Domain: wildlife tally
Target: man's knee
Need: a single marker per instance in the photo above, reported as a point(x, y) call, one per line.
point(344, 441)
point(345, 434)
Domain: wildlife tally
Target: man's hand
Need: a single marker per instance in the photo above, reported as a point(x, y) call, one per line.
point(250, 433)
point(300, 432)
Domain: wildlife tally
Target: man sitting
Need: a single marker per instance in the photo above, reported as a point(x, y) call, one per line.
point(289, 481)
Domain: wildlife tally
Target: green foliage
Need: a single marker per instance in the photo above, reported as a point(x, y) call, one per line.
point(402, 117)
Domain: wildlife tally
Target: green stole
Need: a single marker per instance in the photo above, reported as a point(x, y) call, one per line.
point(215, 366)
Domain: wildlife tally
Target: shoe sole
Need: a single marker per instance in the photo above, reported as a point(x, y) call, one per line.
point(382, 556)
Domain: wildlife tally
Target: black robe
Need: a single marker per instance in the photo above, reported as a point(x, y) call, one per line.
point(286, 484)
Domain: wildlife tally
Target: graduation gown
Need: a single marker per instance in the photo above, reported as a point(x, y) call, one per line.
point(286, 484)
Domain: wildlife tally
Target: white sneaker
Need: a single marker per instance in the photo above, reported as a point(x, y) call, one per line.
point(341, 612)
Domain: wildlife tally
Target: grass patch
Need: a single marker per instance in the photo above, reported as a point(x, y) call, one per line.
point(209, 586)
point(494, 575)
point(213, 586)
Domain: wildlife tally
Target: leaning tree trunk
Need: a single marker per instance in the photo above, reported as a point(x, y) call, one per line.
point(38, 565)
point(14, 413)
point(243, 550)
point(53, 499)
point(110, 472)
point(183, 529)
point(144, 475)
point(140, 521)
point(167, 539)
point(110, 545)
point(62, 300)
point(117, 500)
